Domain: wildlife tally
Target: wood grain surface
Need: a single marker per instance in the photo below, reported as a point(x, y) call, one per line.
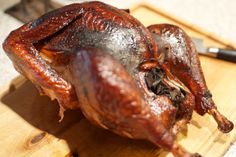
point(29, 123)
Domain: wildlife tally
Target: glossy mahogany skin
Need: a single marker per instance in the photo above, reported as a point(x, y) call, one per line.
point(181, 60)
point(95, 57)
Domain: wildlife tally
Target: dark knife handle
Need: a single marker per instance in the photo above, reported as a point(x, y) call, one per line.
point(224, 54)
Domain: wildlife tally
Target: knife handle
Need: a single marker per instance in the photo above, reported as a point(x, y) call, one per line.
point(224, 54)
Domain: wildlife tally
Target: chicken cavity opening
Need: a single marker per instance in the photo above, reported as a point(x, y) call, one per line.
point(155, 81)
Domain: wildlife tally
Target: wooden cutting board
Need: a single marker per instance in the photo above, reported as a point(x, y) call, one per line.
point(29, 123)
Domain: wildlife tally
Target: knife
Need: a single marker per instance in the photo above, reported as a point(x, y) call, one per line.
point(224, 54)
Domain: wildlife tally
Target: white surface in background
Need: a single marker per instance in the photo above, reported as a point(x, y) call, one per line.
point(7, 24)
point(231, 152)
point(216, 16)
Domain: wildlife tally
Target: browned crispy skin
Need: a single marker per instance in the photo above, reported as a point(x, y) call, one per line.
point(110, 98)
point(53, 52)
point(95, 57)
point(181, 60)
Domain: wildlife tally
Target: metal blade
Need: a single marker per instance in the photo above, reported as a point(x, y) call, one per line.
point(199, 45)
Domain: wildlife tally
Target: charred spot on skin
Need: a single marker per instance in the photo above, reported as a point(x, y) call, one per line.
point(36, 23)
point(207, 94)
point(38, 138)
point(167, 47)
point(126, 10)
point(156, 31)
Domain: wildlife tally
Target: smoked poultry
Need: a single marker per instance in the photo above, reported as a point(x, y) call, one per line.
point(141, 83)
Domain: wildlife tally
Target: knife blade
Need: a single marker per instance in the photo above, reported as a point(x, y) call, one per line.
point(224, 54)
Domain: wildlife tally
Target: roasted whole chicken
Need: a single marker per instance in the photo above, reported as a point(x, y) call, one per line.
point(141, 83)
